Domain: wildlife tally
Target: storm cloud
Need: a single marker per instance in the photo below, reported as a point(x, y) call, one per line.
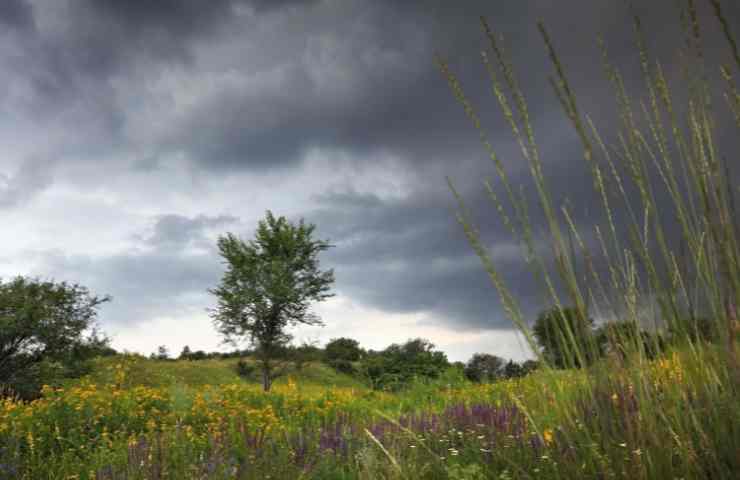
point(136, 132)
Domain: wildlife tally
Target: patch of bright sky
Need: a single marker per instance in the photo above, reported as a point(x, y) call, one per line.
point(372, 328)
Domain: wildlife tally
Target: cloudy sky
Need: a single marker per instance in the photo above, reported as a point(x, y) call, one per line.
point(135, 132)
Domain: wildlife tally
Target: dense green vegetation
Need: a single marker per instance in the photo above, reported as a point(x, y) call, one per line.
point(47, 331)
point(134, 417)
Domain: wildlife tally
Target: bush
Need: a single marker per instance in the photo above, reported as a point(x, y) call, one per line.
point(398, 365)
point(302, 354)
point(246, 370)
point(567, 340)
point(343, 366)
point(343, 349)
point(625, 338)
point(42, 333)
point(484, 367)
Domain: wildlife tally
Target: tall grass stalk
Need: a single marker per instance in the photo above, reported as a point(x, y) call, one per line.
point(665, 146)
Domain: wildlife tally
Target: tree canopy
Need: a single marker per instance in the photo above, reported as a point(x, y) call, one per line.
point(269, 285)
point(343, 349)
point(44, 321)
point(397, 365)
point(567, 339)
point(484, 367)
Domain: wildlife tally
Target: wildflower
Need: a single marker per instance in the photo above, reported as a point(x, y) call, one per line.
point(547, 436)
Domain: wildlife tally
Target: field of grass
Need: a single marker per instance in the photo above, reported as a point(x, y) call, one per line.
point(159, 373)
point(142, 419)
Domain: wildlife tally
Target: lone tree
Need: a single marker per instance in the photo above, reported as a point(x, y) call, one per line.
point(268, 285)
point(186, 353)
point(567, 340)
point(44, 323)
point(484, 367)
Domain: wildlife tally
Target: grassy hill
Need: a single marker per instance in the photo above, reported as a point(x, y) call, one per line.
point(131, 371)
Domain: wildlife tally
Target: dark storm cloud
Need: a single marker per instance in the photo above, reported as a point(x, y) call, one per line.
point(354, 77)
point(105, 36)
point(364, 85)
point(149, 282)
point(166, 27)
point(183, 15)
point(411, 255)
point(370, 84)
point(16, 14)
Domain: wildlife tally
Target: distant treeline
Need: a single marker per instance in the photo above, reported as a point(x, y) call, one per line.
point(48, 334)
point(399, 364)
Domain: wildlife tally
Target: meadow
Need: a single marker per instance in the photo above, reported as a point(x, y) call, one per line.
point(633, 413)
point(137, 418)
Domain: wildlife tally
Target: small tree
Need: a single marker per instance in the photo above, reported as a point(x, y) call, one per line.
point(343, 349)
point(529, 366)
point(513, 369)
point(304, 353)
point(567, 340)
point(268, 285)
point(198, 355)
point(620, 339)
point(162, 353)
point(398, 365)
point(484, 367)
point(186, 353)
point(43, 322)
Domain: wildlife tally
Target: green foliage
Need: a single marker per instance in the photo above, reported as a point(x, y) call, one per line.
point(269, 285)
point(566, 338)
point(697, 329)
point(303, 354)
point(343, 366)
point(143, 371)
point(466, 472)
point(199, 355)
point(484, 367)
point(396, 366)
point(487, 368)
point(625, 339)
point(247, 370)
point(530, 366)
point(343, 348)
point(42, 332)
point(513, 369)
point(185, 354)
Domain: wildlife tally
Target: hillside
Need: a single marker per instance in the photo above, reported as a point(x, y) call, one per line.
point(130, 371)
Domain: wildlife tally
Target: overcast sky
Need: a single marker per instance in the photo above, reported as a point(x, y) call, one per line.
point(134, 132)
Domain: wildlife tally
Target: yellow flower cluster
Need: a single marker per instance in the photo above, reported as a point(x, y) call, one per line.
point(90, 413)
point(669, 370)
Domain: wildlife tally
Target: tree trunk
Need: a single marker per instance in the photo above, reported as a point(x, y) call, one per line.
point(266, 375)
